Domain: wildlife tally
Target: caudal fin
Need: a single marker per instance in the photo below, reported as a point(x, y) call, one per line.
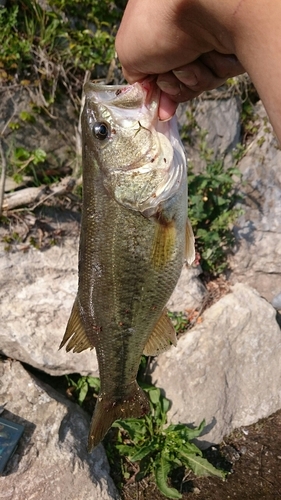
point(108, 410)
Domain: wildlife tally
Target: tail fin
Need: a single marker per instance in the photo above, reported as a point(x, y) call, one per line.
point(108, 410)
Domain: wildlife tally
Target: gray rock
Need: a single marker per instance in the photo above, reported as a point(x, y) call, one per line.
point(226, 369)
point(51, 460)
point(257, 261)
point(189, 292)
point(37, 290)
point(214, 121)
point(276, 302)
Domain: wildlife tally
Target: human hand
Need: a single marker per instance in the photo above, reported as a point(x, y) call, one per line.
point(208, 72)
point(204, 63)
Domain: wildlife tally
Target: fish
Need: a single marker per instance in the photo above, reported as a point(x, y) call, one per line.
point(135, 236)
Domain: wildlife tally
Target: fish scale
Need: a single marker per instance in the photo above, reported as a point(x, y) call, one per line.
point(132, 246)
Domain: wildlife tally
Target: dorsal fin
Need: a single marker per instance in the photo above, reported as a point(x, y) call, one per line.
point(162, 336)
point(75, 333)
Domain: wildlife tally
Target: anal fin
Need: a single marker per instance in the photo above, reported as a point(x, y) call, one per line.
point(189, 243)
point(75, 333)
point(162, 336)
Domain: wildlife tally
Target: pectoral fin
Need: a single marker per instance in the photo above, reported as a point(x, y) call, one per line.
point(189, 243)
point(75, 332)
point(162, 337)
point(163, 244)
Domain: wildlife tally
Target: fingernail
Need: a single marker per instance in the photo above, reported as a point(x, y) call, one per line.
point(168, 87)
point(186, 77)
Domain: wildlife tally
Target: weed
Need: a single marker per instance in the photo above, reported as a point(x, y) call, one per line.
point(212, 211)
point(23, 162)
point(180, 321)
point(81, 387)
point(160, 448)
point(57, 44)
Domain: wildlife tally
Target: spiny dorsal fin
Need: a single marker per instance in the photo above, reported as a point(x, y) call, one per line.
point(164, 243)
point(75, 332)
point(162, 337)
point(189, 243)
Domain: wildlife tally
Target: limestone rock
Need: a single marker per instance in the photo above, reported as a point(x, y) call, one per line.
point(216, 121)
point(226, 369)
point(257, 261)
point(51, 460)
point(189, 292)
point(37, 291)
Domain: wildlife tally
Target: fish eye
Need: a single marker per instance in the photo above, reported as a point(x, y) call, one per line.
point(101, 130)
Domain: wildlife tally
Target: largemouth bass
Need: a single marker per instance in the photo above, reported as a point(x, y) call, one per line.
point(135, 236)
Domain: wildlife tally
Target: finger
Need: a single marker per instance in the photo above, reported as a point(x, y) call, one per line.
point(167, 107)
point(222, 65)
point(198, 77)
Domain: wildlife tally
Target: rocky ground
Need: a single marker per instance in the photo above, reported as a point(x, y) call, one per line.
point(225, 369)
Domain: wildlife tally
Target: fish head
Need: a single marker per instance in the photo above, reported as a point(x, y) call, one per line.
point(140, 158)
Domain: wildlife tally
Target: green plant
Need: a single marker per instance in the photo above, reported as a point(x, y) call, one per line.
point(160, 448)
point(212, 212)
point(56, 44)
point(24, 162)
point(180, 321)
point(81, 387)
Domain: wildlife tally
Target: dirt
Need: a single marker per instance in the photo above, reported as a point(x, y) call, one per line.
point(251, 454)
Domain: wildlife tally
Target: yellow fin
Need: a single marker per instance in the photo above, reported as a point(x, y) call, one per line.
point(164, 243)
point(75, 332)
point(189, 243)
point(162, 337)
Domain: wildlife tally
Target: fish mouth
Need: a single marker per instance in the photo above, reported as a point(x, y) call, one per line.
point(128, 96)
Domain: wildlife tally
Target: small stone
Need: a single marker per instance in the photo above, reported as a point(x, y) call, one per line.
point(276, 302)
point(196, 491)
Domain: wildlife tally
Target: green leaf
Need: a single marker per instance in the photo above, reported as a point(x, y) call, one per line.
point(201, 466)
point(134, 427)
point(162, 469)
point(165, 403)
point(83, 392)
point(187, 432)
point(39, 156)
point(143, 452)
point(154, 395)
point(94, 382)
point(124, 449)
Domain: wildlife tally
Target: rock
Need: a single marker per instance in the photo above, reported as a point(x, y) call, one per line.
point(227, 369)
point(189, 292)
point(214, 121)
point(276, 302)
point(257, 261)
point(51, 460)
point(37, 290)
